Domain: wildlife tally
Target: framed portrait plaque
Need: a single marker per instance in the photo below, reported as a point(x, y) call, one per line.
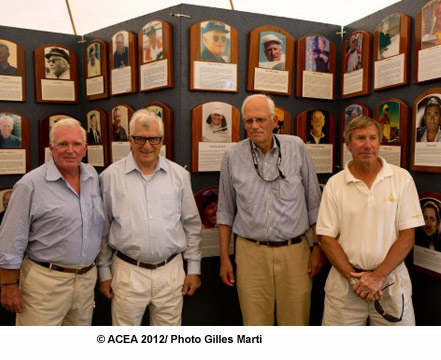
point(5, 196)
point(356, 67)
point(271, 53)
point(95, 70)
point(165, 112)
point(427, 47)
point(284, 121)
point(97, 138)
point(119, 131)
point(12, 71)
point(215, 127)
point(123, 64)
point(350, 112)
point(392, 52)
point(55, 74)
point(427, 249)
point(155, 54)
point(393, 116)
point(316, 127)
point(14, 144)
point(213, 56)
point(315, 76)
point(426, 155)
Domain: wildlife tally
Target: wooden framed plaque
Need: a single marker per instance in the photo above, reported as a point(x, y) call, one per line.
point(14, 144)
point(392, 52)
point(427, 250)
point(213, 56)
point(315, 67)
point(97, 138)
point(215, 127)
point(426, 155)
point(316, 127)
point(44, 129)
point(427, 49)
point(165, 112)
point(123, 65)
point(12, 71)
point(284, 121)
point(55, 69)
point(356, 67)
point(95, 70)
point(155, 53)
point(350, 112)
point(271, 53)
point(393, 116)
point(119, 131)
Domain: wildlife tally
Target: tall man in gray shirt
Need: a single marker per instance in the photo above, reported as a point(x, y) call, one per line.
point(269, 197)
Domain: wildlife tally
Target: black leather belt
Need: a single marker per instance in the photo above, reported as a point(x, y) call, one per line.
point(51, 266)
point(292, 241)
point(358, 270)
point(144, 265)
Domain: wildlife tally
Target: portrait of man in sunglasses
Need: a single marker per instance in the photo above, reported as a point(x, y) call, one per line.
point(215, 45)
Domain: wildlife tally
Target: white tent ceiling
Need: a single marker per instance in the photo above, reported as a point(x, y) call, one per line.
point(91, 15)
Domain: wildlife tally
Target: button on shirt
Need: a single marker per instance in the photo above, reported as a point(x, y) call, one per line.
point(49, 221)
point(261, 210)
point(149, 218)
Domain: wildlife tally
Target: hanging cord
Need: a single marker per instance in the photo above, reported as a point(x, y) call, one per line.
point(71, 18)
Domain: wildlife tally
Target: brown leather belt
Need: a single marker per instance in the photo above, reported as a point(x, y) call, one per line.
point(51, 266)
point(292, 241)
point(144, 265)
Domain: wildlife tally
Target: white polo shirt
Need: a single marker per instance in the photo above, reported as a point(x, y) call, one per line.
point(367, 221)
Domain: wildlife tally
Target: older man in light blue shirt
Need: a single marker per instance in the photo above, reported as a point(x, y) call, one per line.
point(151, 219)
point(55, 217)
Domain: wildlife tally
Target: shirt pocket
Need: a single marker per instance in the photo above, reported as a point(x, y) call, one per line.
point(291, 188)
point(171, 206)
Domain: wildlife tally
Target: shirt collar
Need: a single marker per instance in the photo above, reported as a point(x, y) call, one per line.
point(270, 150)
point(53, 174)
point(131, 164)
point(385, 171)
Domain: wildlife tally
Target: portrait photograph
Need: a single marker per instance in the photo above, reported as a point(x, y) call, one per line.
point(120, 42)
point(353, 57)
point(351, 112)
point(429, 235)
point(389, 37)
point(215, 42)
point(93, 60)
point(272, 50)
point(157, 110)
point(152, 41)
point(317, 54)
point(431, 24)
point(94, 133)
point(5, 196)
point(216, 122)
point(120, 123)
point(57, 63)
point(317, 127)
point(280, 124)
point(206, 201)
point(389, 119)
point(8, 58)
point(10, 131)
point(55, 118)
point(428, 116)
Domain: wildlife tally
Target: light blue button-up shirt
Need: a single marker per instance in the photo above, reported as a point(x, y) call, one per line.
point(50, 222)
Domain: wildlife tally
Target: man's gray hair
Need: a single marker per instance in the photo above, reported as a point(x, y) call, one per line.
point(68, 123)
point(360, 122)
point(145, 118)
point(8, 119)
point(269, 102)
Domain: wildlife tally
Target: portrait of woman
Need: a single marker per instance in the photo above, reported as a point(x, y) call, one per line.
point(216, 127)
point(429, 112)
point(428, 236)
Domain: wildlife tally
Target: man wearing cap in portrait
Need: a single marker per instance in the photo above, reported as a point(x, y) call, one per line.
point(216, 129)
point(272, 48)
point(215, 40)
point(58, 64)
point(153, 50)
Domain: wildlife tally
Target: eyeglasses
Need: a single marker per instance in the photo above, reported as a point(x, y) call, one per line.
point(217, 37)
point(141, 140)
point(389, 317)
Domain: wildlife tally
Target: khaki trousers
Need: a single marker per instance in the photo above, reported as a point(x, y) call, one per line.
point(55, 298)
point(270, 278)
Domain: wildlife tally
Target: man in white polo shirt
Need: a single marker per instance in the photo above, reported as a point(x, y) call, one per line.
point(367, 220)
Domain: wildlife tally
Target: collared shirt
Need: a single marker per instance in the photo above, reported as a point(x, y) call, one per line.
point(49, 221)
point(367, 221)
point(149, 219)
point(260, 210)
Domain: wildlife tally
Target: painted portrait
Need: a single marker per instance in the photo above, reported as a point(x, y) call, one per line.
point(389, 119)
point(272, 50)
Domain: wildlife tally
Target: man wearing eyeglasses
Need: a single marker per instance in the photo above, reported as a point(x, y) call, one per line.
point(215, 40)
point(367, 220)
point(54, 221)
point(58, 64)
point(152, 222)
point(269, 198)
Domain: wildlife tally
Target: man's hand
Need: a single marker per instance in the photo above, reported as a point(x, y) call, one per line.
point(106, 288)
point(192, 282)
point(317, 260)
point(226, 272)
point(368, 286)
point(11, 298)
